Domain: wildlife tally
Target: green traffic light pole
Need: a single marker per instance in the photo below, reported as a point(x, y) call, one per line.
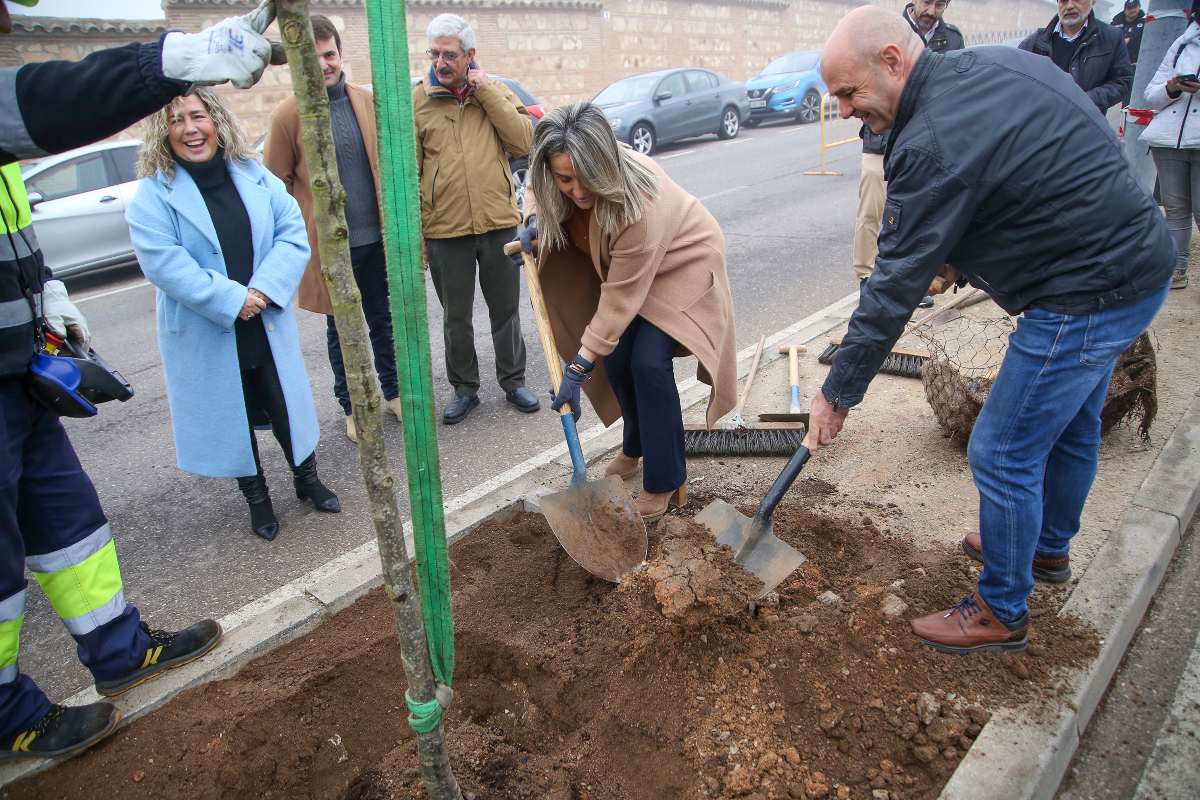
point(428, 661)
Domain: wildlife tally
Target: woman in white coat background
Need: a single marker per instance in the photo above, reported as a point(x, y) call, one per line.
point(225, 245)
point(1174, 139)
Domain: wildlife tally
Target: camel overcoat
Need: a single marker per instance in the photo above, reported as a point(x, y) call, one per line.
point(668, 268)
point(283, 154)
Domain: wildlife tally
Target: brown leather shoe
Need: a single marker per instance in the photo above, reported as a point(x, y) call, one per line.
point(622, 466)
point(1052, 569)
point(652, 505)
point(970, 627)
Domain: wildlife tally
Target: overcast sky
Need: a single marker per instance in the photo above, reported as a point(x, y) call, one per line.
point(109, 9)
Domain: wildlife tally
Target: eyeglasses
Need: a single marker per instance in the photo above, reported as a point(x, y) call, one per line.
point(447, 55)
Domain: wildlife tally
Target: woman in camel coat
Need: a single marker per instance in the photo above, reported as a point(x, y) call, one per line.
point(633, 271)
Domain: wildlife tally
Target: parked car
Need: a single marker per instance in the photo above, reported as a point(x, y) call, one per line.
point(790, 86)
point(654, 108)
point(79, 199)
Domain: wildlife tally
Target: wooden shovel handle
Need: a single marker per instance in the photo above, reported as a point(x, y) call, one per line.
point(541, 318)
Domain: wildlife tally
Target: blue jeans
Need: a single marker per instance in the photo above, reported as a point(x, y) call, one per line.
point(1036, 444)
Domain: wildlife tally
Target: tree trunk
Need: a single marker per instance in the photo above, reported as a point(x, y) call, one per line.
point(333, 245)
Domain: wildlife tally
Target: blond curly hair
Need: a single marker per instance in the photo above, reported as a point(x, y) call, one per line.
point(155, 154)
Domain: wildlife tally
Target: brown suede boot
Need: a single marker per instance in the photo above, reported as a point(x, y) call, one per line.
point(652, 505)
point(622, 466)
point(970, 627)
point(1052, 569)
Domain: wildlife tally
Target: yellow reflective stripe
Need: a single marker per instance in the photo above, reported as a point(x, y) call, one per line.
point(84, 587)
point(152, 655)
point(14, 210)
point(10, 640)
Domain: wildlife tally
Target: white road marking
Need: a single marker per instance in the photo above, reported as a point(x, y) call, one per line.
point(740, 141)
point(723, 192)
point(675, 155)
point(109, 293)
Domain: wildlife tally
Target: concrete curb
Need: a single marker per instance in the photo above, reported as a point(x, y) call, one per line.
point(298, 607)
point(1018, 758)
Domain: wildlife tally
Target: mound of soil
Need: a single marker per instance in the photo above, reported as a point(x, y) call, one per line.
point(670, 686)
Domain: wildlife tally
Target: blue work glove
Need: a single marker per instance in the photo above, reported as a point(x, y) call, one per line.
point(577, 373)
point(528, 234)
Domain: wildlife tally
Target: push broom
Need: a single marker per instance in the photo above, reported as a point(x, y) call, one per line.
point(735, 437)
point(903, 361)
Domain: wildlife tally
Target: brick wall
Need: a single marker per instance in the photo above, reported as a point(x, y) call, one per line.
point(563, 50)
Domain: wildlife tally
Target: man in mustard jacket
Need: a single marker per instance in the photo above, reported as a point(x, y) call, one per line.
point(465, 125)
point(352, 115)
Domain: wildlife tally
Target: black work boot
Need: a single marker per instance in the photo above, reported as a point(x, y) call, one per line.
point(64, 731)
point(167, 650)
point(262, 515)
point(309, 487)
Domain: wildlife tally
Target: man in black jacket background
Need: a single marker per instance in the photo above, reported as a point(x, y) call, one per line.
point(925, 18)
point(976, 178)
point(1131, 22)
point(1092, 53)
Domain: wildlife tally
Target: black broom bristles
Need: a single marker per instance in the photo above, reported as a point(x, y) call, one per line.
point(743, 442)
point(906, 365)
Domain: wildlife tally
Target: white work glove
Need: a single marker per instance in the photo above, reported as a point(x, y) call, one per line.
point(61, 314)
point(232, 50)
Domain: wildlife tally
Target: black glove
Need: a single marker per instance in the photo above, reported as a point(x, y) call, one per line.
point(528, 234)
point(577, 373)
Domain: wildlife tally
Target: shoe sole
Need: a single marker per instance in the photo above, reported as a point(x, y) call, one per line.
point(525, 409)
point(163, 668)
point(74, 750)
point(992, 647)
point(1049, 576)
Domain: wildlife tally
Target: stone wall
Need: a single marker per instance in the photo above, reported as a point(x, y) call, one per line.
point(561, 50)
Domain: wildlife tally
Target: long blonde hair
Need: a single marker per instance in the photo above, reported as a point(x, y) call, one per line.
point(155, 153)
point(624, 187)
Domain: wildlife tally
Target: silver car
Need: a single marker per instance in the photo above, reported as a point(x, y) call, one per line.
point(658, 107)
point(79, 200)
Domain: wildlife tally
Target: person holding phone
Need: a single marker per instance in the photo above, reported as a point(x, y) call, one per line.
point(467, 125)
point(1174, 139)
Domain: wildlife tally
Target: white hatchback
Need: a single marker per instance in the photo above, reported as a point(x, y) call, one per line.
point(79, 199)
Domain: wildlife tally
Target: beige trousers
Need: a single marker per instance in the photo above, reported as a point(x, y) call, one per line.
point(872, 191)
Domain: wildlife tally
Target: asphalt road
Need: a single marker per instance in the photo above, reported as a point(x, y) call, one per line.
point(185, 545)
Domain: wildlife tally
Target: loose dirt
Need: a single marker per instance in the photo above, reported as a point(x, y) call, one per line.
point(669, 686)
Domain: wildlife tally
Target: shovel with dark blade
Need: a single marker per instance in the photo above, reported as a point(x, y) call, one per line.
point(595, 521)
point(756, 547)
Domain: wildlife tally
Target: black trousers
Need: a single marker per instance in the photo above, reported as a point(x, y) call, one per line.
point(265, 403)
point(452, 268)
point(642, 376)
point(370, 273)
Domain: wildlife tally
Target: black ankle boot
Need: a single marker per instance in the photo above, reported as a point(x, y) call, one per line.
point(262, 516)
point(309, 487)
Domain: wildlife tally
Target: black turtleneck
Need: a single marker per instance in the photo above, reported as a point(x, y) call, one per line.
point(232, 224)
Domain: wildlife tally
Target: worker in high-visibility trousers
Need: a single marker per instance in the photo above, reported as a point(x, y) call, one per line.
point(50, 516)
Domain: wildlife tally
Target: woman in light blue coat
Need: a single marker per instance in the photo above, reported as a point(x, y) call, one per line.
point(225, 245)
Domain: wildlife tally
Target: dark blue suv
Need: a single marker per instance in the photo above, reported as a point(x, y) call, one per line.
point(790, 86)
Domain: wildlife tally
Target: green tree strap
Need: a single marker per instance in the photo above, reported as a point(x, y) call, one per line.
point(423, 717)
point(400, 182)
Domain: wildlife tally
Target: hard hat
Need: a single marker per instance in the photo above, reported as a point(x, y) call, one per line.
point(73, 382)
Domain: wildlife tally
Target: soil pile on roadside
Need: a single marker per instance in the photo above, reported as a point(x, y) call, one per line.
point(569, 688)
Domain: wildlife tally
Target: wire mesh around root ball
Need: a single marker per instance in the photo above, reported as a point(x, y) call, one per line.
point(965, 358)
